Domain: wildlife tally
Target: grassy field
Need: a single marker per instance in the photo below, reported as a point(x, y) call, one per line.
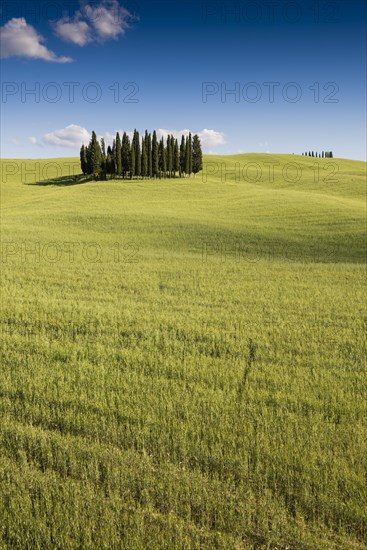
point(182, 361)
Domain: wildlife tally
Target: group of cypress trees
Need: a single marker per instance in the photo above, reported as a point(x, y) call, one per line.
point(142, 158)
point(328, 154)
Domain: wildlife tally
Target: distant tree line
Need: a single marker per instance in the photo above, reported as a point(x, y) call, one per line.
point(145, 157)
point(326, 155)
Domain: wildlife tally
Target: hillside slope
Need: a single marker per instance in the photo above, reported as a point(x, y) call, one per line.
point(182, 360)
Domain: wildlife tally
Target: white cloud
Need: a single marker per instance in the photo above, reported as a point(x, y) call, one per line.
point(106, 21)
point(208, 138)
point(18, 39)
point(34, 141)
point(22, 141)
point(109, 19)
point(77, 32)
point(73, 137)
point(211, 138)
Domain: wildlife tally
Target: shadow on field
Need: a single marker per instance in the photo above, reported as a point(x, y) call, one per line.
point(63, 181)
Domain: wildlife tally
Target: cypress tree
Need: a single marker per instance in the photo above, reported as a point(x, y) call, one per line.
point(103, 147)
point(87, 155)
point(176, 158)
point(83, 159)
point(162, 159)
point(190, 154)
point(132, 159)
point(144, 158)
point(169, 157)
point(148, 145)
point(172, 145)
point(94, 150)
point(113, 165)
point(103, 155)
point(137, 154)
point(197, 155)
point(155, 156)
point(108, 163)
point(118, 155)
point(182, 156)
point(187, 157)
point(125, 154)
point(114, 156)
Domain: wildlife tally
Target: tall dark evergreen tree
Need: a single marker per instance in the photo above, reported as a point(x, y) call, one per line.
point(173, 154)
point(155, 156)
point(197, 155)
point(114, 155)
point(108, 163)
point(83, 159)
point(103, 148)
point(125, 155)
point(144, 158)
point(94, 155)
point(148, 145)
point(190, 154)
point(103, 155)
point(176, 158)
point(118, 155)
point(162, 159)
point(187, 157)
point(182, 156)
point(111, 162)
point(132, 159)
point(169, 157)
point(137, 154)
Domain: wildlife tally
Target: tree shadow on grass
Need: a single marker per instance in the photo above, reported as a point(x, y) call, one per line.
point(64, 181)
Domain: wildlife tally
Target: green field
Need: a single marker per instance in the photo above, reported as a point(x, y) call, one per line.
point(182, 361)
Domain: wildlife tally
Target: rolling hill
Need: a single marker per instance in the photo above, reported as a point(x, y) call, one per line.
point(183, 360)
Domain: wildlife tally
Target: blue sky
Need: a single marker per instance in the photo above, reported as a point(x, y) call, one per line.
point(171, 65)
